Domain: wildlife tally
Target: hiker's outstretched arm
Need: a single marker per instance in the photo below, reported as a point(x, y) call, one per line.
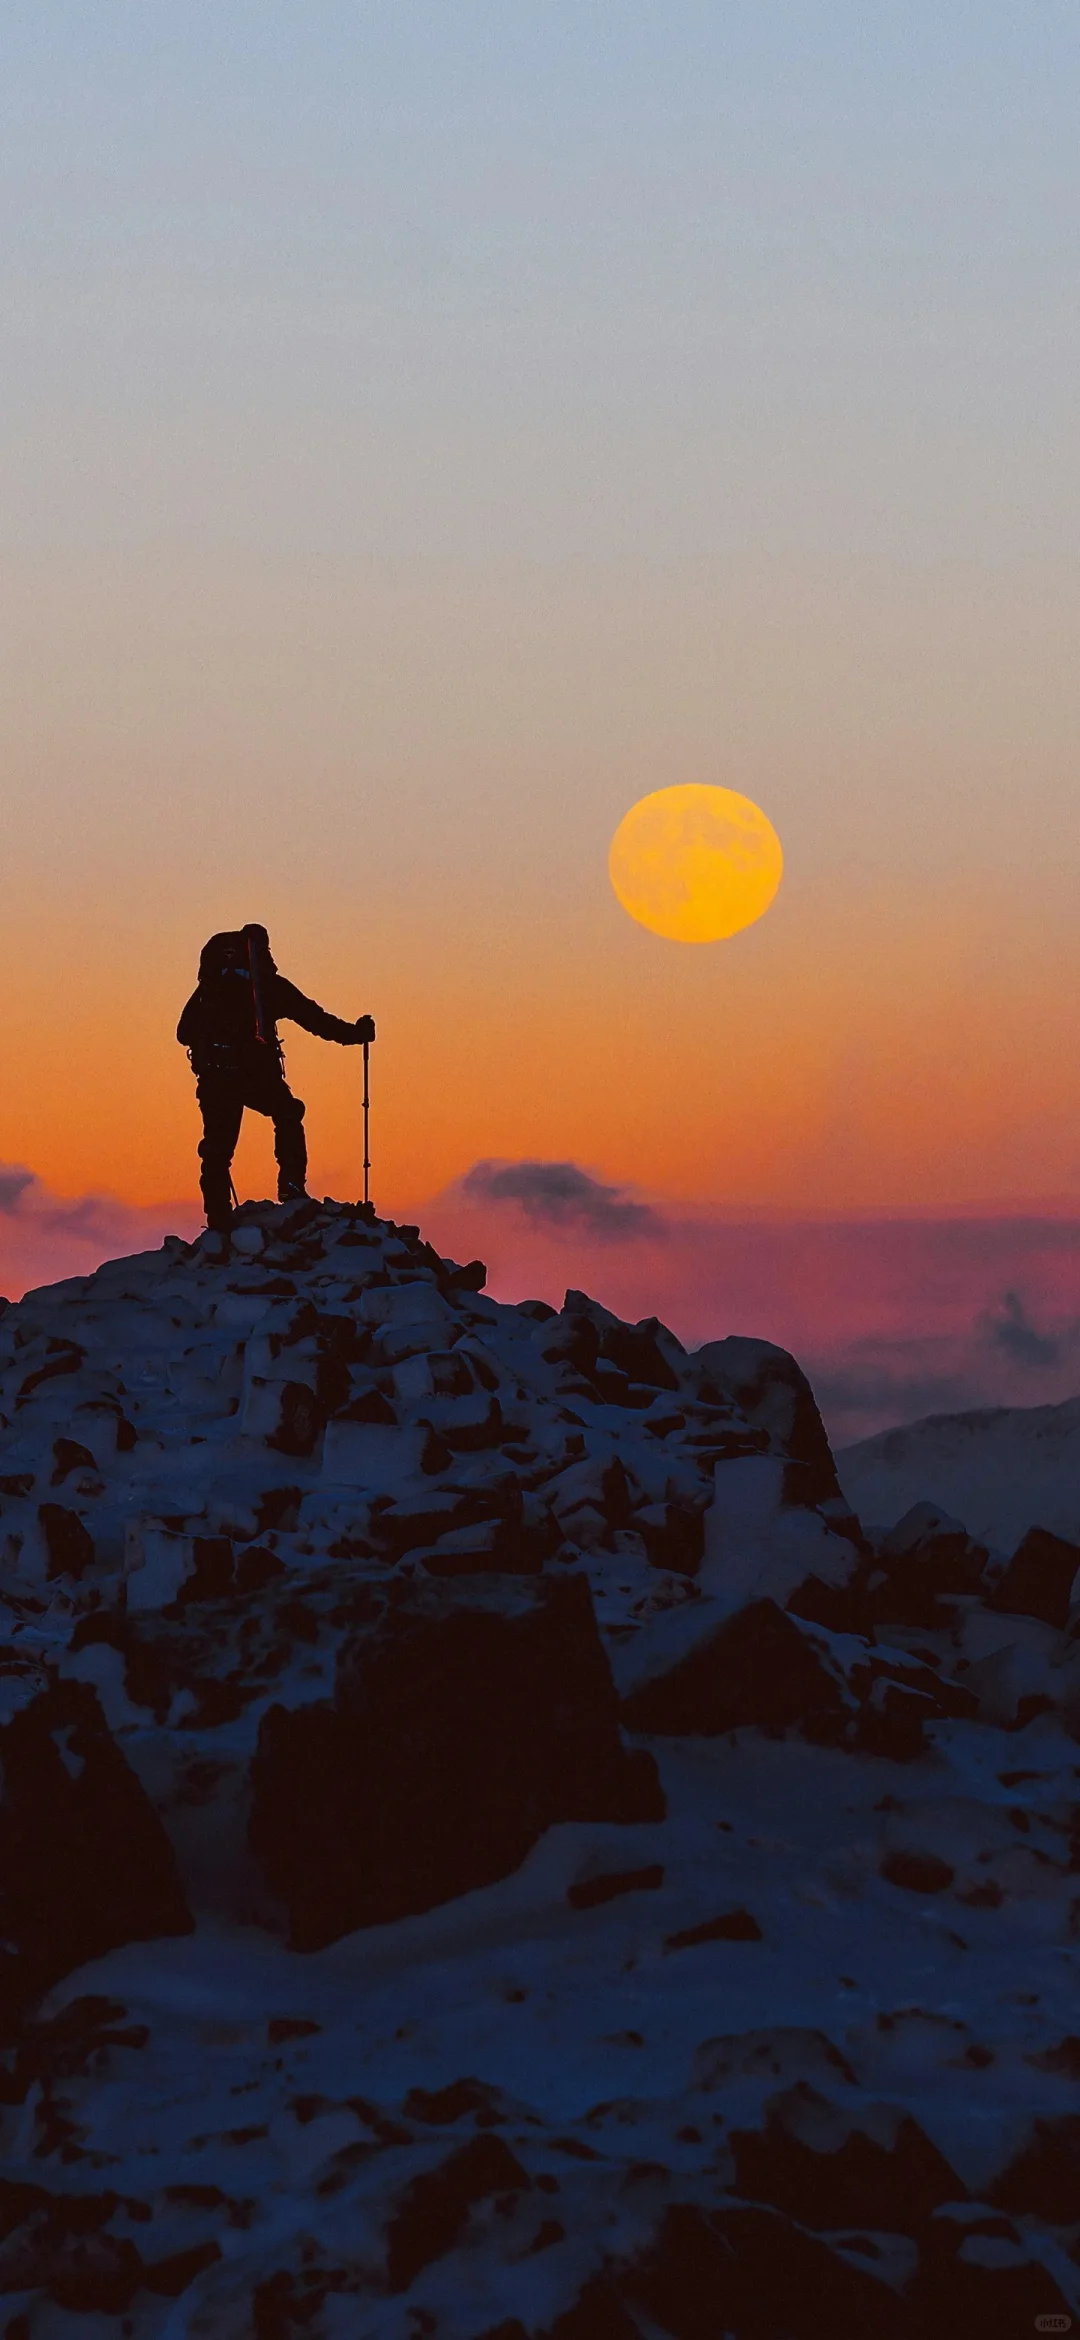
point(290, 1002)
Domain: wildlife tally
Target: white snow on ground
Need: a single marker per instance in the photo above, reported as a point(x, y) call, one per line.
point(780, 2039)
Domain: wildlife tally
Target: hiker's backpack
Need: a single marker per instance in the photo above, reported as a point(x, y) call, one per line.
point(235, 1013)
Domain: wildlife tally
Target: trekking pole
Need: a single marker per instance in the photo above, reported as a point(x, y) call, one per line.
point(367, 1123)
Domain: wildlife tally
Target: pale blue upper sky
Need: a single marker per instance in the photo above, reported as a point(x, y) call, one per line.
point(559, 305)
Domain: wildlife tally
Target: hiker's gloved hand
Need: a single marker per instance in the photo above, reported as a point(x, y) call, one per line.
point(365, 1028)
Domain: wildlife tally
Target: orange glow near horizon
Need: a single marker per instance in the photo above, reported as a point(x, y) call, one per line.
point(901, 1056)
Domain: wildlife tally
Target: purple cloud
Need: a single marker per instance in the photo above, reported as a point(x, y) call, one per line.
point(559, 1194)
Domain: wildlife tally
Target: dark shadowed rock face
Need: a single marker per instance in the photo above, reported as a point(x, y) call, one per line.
point(458, 1732)
point(977, 2274)
point(1039, 1579)
point(829, 2171)
point(756, 1667)
point(434, 2208)
point(765, 1668)
point(926, 1560)
point(598, 2313)
point(755, 2273)
point(1044, 2176)
point(58, 2242)
point(85, 1863)
point(69, 1546)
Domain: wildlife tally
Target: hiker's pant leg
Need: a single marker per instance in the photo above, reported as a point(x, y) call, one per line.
point(274, 1097)
point(290, 1144)
point(222, 1105)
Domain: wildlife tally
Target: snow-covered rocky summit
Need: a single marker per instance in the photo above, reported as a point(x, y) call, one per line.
point(490, 1847)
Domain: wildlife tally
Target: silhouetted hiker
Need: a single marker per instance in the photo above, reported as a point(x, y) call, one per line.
point(229, 1028)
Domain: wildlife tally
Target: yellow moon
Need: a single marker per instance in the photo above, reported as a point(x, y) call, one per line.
point(695, 864)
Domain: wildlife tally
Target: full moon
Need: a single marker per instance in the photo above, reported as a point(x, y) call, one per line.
point(695, 864)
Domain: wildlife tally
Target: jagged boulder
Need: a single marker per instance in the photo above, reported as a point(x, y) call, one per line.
point(773, 1393)
point(85, 1863)
point(976, 2273)
point(1039, 1579)
point(431, 2213)
point(750, 2271)
point(757, 2272)
point(830, 2167)
point(1043, 2176)
point(69, 1546)
point(898, 1698)
point(462, 1725)
point(702, 1670)
point(61, 2243)
point(924, 1560)
point(756, 1667)
point(621, 1364)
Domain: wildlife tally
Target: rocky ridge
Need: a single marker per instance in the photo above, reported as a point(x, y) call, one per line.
point(490, 1846)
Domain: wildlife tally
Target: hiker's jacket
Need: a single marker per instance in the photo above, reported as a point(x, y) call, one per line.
point(218, 1024)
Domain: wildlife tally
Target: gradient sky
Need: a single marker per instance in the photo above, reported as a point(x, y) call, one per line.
point(428, 427)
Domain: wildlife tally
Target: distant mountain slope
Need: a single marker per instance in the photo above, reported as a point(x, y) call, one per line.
point(1001, 1470)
